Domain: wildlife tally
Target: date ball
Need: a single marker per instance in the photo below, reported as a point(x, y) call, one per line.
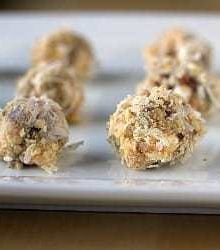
point(154, 130)
point(56, 82)
point(181, 45)
point(32, 132)
point(67, 47)
point(189, 80)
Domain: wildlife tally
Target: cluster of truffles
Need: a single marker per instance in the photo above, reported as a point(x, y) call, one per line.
point(33, 127)
point(162, 123)
point(181, 61)
point(154, 129)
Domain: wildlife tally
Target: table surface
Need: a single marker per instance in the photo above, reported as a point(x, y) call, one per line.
point(67, 230)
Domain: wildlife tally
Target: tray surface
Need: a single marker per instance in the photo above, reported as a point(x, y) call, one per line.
point(92, 178)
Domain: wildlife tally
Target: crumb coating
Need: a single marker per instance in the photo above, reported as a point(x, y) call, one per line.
point(154, 129)
point(32, 132)
point(190, 80)
point(56, 82)
point(180, 45)
point(65, 46)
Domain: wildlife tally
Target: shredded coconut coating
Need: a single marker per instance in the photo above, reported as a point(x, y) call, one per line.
point(154, 130)
point(189, 80)
point(56, 82)
point(65, 46)
point(180, 45)
point(32, 132)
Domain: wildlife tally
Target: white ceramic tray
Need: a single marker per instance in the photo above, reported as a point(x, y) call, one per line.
point(93, 178)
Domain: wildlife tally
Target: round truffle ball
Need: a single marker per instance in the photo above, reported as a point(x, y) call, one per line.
point(57, 83)
point(189, 80)
point(32, 132)
point(65, 46)
point(153, 130)
point(195, 51)
point(181, 45)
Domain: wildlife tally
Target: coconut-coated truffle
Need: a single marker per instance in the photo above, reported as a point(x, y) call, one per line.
point(153, 130)
point(32, 132)
point(56, 82)
point(180, 45)
point(67, 47)
point(189, 80)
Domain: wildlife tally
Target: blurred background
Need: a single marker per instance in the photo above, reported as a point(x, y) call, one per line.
point(189, 5)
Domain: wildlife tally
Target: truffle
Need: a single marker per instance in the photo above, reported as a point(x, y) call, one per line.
point(155, 129)
point(32, 132)
point(189, 80)
point(67, 47)
point(57, 83)
point(180, 45)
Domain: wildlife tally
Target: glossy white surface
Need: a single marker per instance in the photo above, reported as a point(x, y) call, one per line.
point(93, 178)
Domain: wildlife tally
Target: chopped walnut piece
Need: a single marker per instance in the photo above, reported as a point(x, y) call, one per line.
point(180, 45)
point(57, 83)
point(154, 129)
point(67, 47)
point(32, 132)
point(189, 80)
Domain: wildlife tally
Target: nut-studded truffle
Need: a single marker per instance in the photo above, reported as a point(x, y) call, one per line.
point(32, 132)
point(155, 129)
point(180, 45)
point(57, 83)
point(65, 46)
point(189, 80)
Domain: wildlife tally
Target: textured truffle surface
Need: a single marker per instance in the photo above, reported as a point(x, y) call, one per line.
point(32, 132)
point(180, 45)
point(57, 83)
point(190, 80)
point(67, 47)
point(154, 129)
